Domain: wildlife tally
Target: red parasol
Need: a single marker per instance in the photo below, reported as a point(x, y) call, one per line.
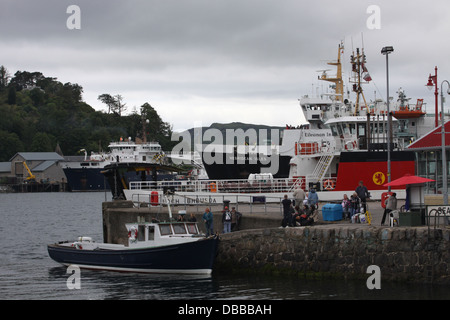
point(406, 180)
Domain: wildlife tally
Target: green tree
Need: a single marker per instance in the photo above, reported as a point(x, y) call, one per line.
point(4, 78)
point(42, 142)
point(10, 145)
point(12, 95)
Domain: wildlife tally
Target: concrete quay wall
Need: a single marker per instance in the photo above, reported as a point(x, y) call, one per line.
point(345, 251)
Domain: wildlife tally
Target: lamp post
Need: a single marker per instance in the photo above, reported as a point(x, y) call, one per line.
point(386, 51)
point(432, 82)
point(444, 156)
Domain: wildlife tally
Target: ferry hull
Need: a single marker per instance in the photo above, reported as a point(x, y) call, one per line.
point(371, 168)
point(195, 257)
point(86, 179)
point(232, 168)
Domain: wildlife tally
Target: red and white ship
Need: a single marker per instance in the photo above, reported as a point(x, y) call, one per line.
point(341, 144)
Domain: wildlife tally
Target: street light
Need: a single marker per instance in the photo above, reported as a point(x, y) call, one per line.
point(444, 156)
point(386, 51)
point(432, 82)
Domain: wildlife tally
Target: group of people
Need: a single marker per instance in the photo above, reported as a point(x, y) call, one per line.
point(357, 203)
point(230, 219)
point(303, 211)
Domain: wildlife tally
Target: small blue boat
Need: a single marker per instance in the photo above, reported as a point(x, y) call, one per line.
point(153, 247)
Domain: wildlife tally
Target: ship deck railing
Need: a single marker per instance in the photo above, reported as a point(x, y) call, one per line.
point(217, 186)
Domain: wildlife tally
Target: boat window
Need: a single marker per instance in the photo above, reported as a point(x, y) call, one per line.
point(179, 228)
point(151, 233)
point(165, 229)
point(352, 127)
point(141, 232)
point(346, 131)
point(192, 228)
point(333, 130)
point(361, 129)
point(84, 164)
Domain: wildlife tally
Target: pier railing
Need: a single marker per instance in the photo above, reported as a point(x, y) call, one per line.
point(244, 203)
point(217, 186)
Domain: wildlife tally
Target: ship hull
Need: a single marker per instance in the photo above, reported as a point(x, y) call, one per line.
point(81, 179)
point(371, 168)
point(240, 167)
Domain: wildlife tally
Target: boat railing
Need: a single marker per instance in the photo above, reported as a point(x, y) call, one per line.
point(217, 186)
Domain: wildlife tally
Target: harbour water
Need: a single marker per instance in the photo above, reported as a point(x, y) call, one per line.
point(30, 221)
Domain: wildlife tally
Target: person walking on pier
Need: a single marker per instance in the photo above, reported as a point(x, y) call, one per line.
point(313, 199)
point(226, 220)
point(299, 196)
point(391, 205)
point(235, 219)
point(363, 194)
point(208, 219)
point(287, 216)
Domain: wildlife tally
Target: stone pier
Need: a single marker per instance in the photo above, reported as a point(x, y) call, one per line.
point(344, 251)
point(328, 249)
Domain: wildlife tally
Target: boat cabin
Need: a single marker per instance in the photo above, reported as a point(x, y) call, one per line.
point(148, 234)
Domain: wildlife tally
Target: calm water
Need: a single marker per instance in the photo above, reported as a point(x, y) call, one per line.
point(30, 221)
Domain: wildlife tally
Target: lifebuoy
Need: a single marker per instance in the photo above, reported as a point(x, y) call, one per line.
point(77, 245)
point(132, 234)
point(329, 184)
point(212, 187)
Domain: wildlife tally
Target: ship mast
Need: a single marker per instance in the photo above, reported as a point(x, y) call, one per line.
point(358, 68)
point(339, 84)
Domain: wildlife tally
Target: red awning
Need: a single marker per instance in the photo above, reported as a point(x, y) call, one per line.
point(407, 179)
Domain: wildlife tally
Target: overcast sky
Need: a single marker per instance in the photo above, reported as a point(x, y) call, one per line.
point(223, 60)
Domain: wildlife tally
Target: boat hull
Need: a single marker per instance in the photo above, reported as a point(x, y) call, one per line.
point(83, 179)
point(195, 257)
point(241, 166)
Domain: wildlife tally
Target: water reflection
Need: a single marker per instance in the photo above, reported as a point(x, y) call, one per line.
point(106, 285)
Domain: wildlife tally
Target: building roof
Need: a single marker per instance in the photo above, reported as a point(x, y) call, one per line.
point(39, 156)
point(432, 140)
point(44, 166)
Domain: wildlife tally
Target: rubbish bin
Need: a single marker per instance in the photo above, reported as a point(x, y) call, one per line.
point(226, 203)
point(410, 219)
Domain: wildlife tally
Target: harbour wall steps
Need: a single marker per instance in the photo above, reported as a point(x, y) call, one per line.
point(333, 249)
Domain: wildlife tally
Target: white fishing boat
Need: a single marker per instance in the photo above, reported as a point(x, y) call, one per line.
point(153, 247)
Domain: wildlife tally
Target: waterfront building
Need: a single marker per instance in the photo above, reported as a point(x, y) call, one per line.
point(428, 151)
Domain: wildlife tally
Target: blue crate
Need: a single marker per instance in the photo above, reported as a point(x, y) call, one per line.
point(332, 212)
